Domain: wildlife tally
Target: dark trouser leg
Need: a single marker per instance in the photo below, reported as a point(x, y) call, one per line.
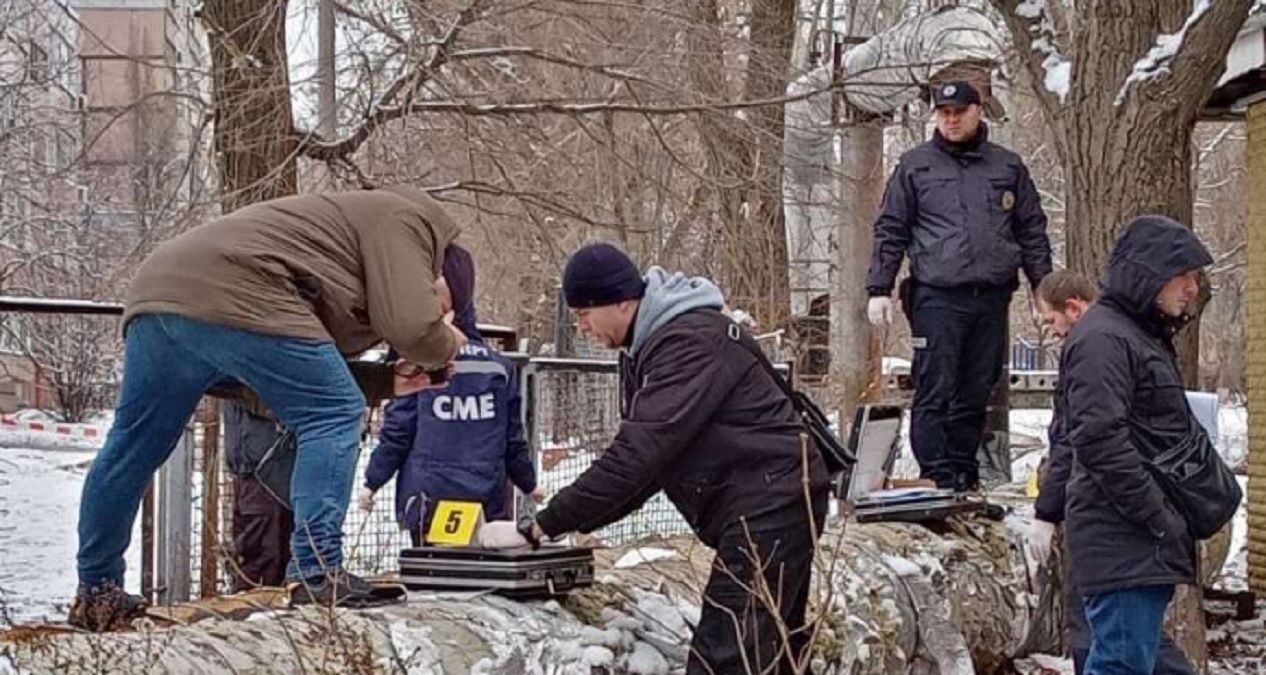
point(1077, 630)
point(938, 327)
point(740, 631)
point(261, 535)
point(984, 347)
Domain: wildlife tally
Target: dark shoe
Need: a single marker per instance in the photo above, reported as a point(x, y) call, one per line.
point(339, 589)
point(105, 607)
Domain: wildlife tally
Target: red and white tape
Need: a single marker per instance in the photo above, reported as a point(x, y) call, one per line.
point(78, 430)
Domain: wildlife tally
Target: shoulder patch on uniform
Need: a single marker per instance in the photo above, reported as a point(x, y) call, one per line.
point(1008, 200)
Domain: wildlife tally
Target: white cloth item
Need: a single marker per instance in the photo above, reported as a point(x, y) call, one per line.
point(879, 311)
point(365, 499)
point(500, 534)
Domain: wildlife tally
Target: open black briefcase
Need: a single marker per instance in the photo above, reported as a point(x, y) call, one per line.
point(522, 574)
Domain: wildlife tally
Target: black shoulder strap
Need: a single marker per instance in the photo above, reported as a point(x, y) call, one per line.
point(736, 334)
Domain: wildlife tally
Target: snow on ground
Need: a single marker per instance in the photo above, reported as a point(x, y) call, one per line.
point(39, 509)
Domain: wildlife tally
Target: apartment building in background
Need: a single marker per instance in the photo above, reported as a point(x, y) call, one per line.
point(100, 118)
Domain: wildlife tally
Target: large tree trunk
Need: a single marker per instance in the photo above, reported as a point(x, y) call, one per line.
point(757, 245)
point(253, 144)
point(744, 153)
point(253, 141)
point(887, 598)
point(1124, 140)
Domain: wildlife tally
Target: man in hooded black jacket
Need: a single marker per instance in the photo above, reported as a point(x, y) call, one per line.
point(1125, 403)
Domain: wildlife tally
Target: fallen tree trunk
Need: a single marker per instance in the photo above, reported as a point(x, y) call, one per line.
point(888, 598)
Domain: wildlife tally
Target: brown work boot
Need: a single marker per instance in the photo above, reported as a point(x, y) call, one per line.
point(105, 607)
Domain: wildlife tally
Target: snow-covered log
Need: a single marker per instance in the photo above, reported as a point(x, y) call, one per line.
point(889, 597)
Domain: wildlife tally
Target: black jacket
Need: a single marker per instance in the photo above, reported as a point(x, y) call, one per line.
point(704, 422)
point(1050, 497)
point(256, 445)
point(1125, 403)
point(965, 214)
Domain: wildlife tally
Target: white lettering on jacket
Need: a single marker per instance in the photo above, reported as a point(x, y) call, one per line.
point(465, 408)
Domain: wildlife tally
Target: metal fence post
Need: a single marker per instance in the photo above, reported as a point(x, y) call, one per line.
point(175, 497)
point(207, 585)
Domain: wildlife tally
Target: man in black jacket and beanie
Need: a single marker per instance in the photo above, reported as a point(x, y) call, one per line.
point(705, 422)
point(1125, 404)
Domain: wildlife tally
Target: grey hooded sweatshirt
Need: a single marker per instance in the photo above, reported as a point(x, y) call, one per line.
point(702, 420)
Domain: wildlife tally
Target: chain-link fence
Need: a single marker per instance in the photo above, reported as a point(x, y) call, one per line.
point(371, 540)
point(571, 411)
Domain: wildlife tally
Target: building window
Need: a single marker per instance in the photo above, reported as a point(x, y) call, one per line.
point(37, 62)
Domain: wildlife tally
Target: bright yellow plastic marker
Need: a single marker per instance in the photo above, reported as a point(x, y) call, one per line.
point(454, 523)
point(1031, 489)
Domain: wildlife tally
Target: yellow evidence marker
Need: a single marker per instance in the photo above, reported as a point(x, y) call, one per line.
point(454, 523)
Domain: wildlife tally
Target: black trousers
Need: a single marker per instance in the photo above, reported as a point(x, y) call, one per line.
point(747, 626)
point(959, 337)
point(261, 535)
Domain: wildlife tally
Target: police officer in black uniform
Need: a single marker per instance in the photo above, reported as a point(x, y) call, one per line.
point(966, 213)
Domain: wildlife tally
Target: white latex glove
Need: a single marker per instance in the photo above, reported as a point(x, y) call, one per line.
point(500, 534)
point(879, 311)
point(365, 499)
point(1037, 542)
point(538, 495)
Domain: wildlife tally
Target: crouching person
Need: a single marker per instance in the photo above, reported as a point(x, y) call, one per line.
point(272, 296)
point(707, 424)
point(1125, 405)
point(460, 442)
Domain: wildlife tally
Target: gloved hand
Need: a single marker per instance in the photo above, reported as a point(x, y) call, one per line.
point(365, 499)
point(1037, 542)
point(538, 495)
point(500, 534)
point(879, 311)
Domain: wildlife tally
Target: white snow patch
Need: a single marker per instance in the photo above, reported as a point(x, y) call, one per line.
point(1030, 9)
point(1058, 69)
point(646, 554)
point(47, 440)
point(39, 512)
point(412, 645)
point(662, 613)
point(598, 657)
point(590, 636)
point(646, 660)
point(1059, 75)
point(1155, 63)
point(902, 567)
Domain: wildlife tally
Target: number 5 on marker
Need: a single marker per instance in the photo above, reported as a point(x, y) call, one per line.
point(454, 523)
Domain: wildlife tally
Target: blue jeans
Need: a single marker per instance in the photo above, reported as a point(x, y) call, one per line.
point(1126, 632)
point(169, 362)
point(1170, 659)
